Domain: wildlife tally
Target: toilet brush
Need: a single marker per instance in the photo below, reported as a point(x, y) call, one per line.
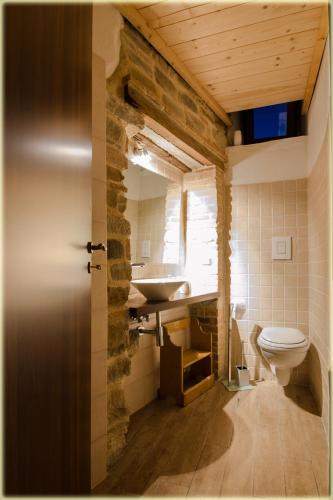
point(243, 373)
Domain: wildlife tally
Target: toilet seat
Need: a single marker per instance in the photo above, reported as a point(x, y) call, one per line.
point(282, 339)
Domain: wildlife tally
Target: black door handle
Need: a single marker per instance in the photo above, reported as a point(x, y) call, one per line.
point(91, 247)
point(90, 267)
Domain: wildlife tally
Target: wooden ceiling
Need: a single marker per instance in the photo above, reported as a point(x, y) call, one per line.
point(242, 54)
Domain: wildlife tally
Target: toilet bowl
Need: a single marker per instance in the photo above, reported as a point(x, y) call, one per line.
point(284, 349)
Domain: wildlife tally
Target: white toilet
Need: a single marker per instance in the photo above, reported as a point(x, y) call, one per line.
point(284, 349)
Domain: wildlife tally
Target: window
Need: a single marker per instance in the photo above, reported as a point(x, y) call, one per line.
point(271, 122)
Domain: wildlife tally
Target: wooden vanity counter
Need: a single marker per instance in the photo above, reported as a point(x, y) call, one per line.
point(139, 306)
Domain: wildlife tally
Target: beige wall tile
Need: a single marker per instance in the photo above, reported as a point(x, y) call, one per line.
point(289, 186)
point(143, 362)
point(135, 396)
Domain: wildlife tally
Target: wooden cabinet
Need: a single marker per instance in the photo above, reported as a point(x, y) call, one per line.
point(186, 373)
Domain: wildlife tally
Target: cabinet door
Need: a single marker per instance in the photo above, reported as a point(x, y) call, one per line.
point(47, 105)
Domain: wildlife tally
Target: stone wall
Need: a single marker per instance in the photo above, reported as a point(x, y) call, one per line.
point(163, 89)
point(223, 272)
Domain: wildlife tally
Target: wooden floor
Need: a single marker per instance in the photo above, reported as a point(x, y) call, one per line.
point(264, 442)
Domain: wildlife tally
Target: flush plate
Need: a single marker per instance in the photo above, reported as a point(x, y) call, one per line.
point(281, 247)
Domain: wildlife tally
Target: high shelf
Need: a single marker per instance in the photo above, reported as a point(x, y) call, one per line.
point(185, 373)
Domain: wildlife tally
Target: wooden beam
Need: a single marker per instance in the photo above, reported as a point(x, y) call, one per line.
point(316, 59)
point(170, 137)
point(170, 146)
point(136, 19)
point(162, 153)
point(137, 97)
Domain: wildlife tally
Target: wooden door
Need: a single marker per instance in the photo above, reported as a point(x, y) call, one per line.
point(47, 210)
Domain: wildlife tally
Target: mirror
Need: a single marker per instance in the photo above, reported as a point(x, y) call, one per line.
point(154, 212)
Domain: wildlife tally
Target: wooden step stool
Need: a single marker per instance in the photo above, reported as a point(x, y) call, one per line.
point(186, 373)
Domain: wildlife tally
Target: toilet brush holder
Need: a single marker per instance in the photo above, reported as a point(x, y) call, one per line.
point(242, 372)
point(242, 376)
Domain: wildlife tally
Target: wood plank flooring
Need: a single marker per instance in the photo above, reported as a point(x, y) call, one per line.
point(265, 442)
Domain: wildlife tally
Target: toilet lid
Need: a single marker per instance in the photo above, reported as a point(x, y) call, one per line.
point(286, 336)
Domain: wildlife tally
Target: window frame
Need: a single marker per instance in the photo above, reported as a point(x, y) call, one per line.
point(294, 124)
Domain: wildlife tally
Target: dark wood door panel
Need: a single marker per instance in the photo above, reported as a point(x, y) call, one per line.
point(47, 225)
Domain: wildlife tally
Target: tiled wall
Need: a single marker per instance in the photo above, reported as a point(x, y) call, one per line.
point(174, 247)
point(99, 306)
point(151, 227)
point(320, 238)
point(272, 293)
point(319, 279)
point(147, 220)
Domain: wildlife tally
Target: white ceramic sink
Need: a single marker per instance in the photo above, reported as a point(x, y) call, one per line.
point(158, 288)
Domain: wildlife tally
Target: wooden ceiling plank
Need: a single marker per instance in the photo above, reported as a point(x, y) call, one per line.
point(158, 43)
point(258, 92)
point(228, 19)
point(148, 12)
point(164, 9)
point(259, 32)
point(257, 67)
point(258, 81)
point(316, 59)
point(266, 100)
point(252, 52)
point(142, 5)
point(191, 13)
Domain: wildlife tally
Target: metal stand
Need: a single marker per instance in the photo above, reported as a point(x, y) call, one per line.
point(157, 331)
point(230, 384)
point(231, 311)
